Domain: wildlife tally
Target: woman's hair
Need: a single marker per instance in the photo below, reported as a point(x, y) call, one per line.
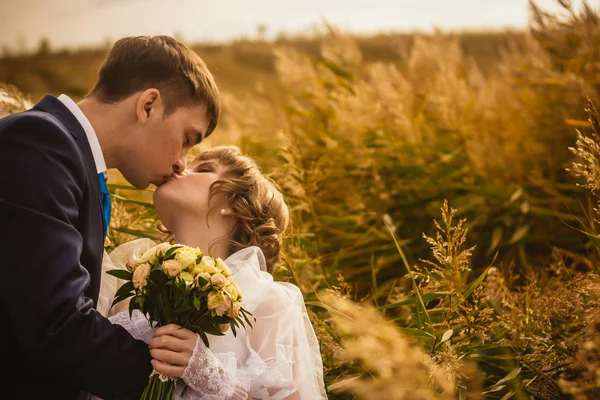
point(255, 200)
point(137, 63)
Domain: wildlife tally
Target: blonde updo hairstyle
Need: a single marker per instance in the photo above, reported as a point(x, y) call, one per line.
point(255, 201)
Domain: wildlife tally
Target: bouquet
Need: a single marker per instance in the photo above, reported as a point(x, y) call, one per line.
point(178, 284)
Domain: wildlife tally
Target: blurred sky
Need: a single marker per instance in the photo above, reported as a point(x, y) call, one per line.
point(90, 22)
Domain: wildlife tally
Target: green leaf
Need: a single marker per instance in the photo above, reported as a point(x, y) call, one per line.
point(494, 389)
point(447, 335)
point(170, 252)
point(113, 186)
point(204, 338)
point(514, 197)
point(496, 239)
point(210, 328)
point(121, 298)
point(136, 202)
point(121, 274)
point(126, 288)
point(420, 305)
point(478, 281)
point(512, 375)
point(138, 233)
point(519, 234)
point(416, 333)
point(508, 395)
point(427, 297)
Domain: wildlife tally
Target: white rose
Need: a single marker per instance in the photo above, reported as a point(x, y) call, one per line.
point(172, 267)
point(131, 265)
point(140, 275)
point(234, 311)
point(163, 248)
point(225, 306)
point(219, 280)
point(219, 302)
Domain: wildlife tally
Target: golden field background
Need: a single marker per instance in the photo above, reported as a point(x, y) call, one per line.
point(443, 191)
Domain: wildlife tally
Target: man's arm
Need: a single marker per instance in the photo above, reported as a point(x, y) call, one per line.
point(42, 181)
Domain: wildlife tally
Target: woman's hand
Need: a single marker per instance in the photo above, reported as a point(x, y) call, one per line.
point(171, 348)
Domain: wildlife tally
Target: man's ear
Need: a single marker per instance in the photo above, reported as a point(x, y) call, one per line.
point(147, 104)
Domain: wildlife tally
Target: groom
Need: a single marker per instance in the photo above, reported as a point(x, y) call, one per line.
point(154, 100)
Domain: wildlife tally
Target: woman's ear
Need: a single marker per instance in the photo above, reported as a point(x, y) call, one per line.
point(226, 212)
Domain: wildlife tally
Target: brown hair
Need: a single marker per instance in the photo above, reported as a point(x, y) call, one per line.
point(256, 201)
point(138, 63)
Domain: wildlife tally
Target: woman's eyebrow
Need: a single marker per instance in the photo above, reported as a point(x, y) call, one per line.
point(201, 163)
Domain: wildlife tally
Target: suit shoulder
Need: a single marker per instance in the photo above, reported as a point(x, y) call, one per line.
point(35, 129)
point(31, 119)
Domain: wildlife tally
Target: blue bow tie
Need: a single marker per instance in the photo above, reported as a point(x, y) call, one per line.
point(105, 203)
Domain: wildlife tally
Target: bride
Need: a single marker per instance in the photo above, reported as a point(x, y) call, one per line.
point(225, 206)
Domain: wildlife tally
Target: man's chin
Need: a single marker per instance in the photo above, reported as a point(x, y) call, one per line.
point(139, 184)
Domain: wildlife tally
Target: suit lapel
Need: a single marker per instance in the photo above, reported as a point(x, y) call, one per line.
point(52, 105)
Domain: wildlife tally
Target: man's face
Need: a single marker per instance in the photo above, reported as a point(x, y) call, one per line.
point(162, 145)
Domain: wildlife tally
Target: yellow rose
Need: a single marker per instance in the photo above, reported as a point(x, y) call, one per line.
point(187, 278)
point(215, 299)
point(219, 280)
point(234, 311)
point(140, 275)
point(222, 267)
point(149, 256)
point(208, 265)
point(172, 267)
point(224, 327)
point(233, 290)
point(186, 257)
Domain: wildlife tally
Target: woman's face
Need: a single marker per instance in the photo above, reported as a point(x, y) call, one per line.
point(186, 195)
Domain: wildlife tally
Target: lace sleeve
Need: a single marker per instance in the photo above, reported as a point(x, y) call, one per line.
point(213, 376)
point(138, 326)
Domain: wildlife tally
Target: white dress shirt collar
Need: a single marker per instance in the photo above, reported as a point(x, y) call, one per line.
point(89, 132)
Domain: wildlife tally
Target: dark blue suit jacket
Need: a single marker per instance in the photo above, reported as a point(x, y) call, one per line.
point(51, 247)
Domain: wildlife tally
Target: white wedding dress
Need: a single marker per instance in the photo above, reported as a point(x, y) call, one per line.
point(277, 358)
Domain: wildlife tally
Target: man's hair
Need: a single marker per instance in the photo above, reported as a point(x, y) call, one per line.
point(138, 63)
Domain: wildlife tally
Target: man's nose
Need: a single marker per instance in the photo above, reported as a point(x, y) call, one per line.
point(180, 164)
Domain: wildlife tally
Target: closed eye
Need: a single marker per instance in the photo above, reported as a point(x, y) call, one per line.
point(205, 167)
